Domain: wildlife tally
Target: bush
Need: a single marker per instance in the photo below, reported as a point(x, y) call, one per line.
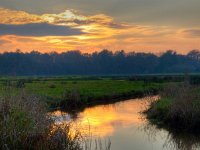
point(26, 125)
point(178, 107)
point(71, 100)
point(52, 86)
point(20, 84)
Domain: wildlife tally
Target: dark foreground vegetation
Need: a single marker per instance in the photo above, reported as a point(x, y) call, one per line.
point(26, 125)
point(98, 63)
point(178, 108)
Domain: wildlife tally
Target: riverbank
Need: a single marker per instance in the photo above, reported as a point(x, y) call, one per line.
point(74, 103)
point(177, 109)
point(76, 93)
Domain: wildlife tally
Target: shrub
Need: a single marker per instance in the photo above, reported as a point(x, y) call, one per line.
point(178, 107)
point(20, 84)
point(72, 100)
point(52, 86)
point(26, 125)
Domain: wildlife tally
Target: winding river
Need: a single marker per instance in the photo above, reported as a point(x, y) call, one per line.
point(126, 127)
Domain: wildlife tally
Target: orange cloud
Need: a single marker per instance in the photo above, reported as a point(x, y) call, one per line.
point(18, 17)
point(100, 32)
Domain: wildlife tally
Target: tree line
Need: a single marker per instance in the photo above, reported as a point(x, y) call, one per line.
point(104, 62)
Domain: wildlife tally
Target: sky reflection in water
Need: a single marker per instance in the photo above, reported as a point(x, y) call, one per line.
point(127, 128)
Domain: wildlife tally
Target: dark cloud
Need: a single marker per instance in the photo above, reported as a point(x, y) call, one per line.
point(192, 32)
point(107, 24)
point(38, 29)
point(101, 21)
point(159, 12)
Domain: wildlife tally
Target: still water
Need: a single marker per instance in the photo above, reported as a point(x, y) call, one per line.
point(126, 127)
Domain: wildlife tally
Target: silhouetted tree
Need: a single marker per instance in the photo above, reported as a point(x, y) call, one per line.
point(104, 62)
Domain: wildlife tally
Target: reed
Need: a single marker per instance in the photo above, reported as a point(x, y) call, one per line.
point(178, 108)
point(26, 125)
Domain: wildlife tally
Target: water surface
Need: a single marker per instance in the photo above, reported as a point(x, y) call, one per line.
point(126, 127)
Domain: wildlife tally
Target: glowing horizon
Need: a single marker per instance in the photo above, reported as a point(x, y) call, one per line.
point(75, 30)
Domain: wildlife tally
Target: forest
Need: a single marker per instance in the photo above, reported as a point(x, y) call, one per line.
point(104, 62)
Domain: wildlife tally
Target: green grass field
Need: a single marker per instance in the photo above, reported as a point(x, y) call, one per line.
point(53, 89)
point(94, 88)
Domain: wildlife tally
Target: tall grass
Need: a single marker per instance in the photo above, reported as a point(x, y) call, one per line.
point(25, 124)
point(178, 107)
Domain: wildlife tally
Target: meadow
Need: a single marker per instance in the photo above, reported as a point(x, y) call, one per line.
point(80, 90)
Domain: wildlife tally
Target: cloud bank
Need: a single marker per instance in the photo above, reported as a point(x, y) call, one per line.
point(192, 32)
point(38, 29)
point(70, 29)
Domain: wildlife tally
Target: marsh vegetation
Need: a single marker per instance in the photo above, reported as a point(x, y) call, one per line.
point(178, 108)
point(26, 125)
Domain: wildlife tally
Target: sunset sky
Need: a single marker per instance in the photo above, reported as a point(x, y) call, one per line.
point(93, 25)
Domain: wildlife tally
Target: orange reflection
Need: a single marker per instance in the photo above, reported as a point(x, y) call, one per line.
point(104, 120)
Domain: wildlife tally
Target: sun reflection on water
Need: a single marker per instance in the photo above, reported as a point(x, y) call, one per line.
point(103, 120)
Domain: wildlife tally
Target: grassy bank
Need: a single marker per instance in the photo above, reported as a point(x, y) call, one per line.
point(79, 92)
point(177, 109)
point(26, 125)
